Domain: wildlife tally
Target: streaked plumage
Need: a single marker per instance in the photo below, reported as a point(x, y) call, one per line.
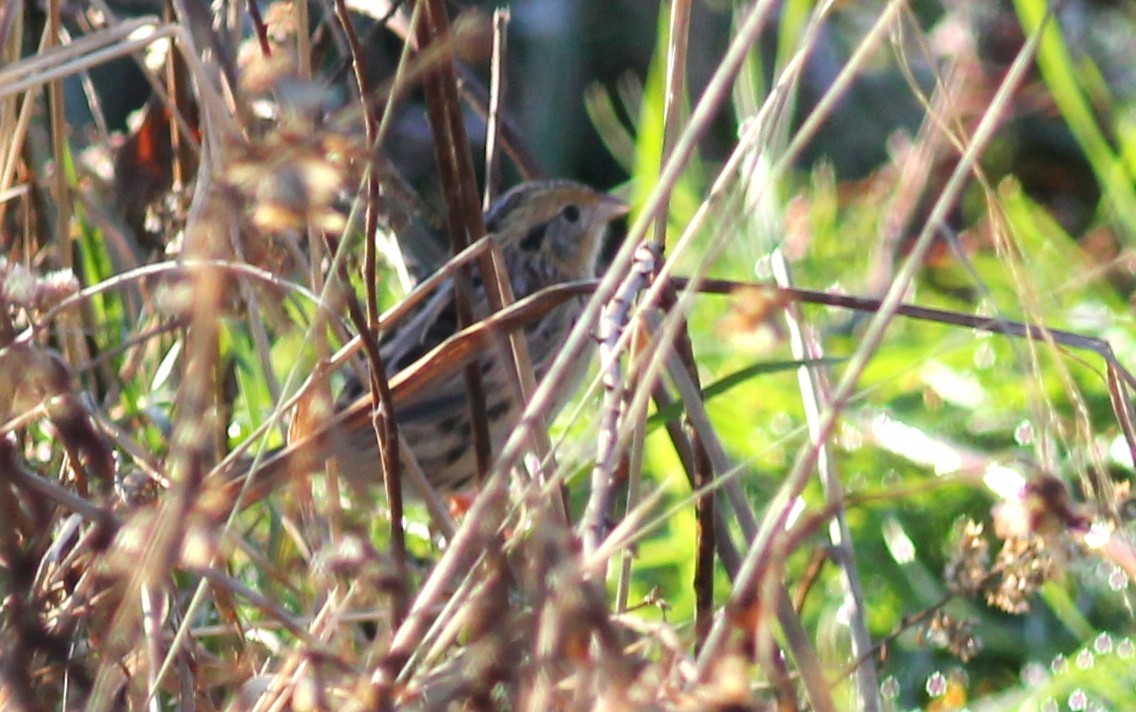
point(549, 232)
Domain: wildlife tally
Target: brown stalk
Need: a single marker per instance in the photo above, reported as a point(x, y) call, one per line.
point(209, 227)
point(767, 649)
point(476, 538)
point(463, 218)
point(816, 390)
point(52, 491)
point(258, 27)
point(497, 88)
point(384, 416)
point(183, 130)
point(73, 346)
point(871, 305)
point(188, 452)
point(515, 352)
point(702, 474)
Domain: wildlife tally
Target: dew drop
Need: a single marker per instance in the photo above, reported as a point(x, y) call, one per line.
point(1023, 434)
point(889, 688)
point(1103, 644)
point(1060, 665)
point(891, 479)
point(1117, 579)
point(1085, 660)
point(781, 424)
point(1125, 648)
point(936, 684)
point(1034, 674)
point(985, 356)
point(763, 269)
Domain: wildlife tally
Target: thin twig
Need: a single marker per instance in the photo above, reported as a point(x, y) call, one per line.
point(385, 423)
point(497, 88)
point(815, 392)
point(463, 217)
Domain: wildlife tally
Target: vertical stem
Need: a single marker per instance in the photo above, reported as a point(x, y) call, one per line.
point(702, 473)
point(501, 18)
point(463, 215)
point(384, 417)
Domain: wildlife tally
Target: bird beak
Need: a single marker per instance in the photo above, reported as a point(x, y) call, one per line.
point(610, 207)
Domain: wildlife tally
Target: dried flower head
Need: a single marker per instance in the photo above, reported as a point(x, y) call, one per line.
point(1022, 566)
point(969, 566)
point(955, 635)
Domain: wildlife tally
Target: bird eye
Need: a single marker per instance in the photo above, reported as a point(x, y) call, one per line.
point(570, 213)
